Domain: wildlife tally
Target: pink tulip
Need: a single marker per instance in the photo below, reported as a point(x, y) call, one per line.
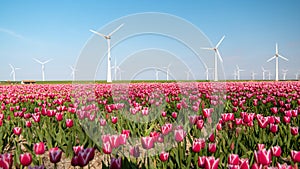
point(273, 128)
point(211, 163)
point(39, 148)
point(276, 151)
point(69, 123)
point(164, 156)
point(147, 142)
point(294, 130)
point(244, 163)
point(135, 151)
point(201, 161)
point(179, 135)
point(295, 156)
point(17, 131)
point(233, 159)
point(212, 147)
point(25, 159)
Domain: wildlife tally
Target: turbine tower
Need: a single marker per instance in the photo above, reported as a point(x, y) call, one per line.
point(116, 69)
point(43, 66)
point(284, 72)
point(168, 69)
point(276, 56)
point(108, 37)
point(73, 72)
point(217, 55)
point(264, 71)
point(188, 74)
point(253, 75)
point(156, 74)
point(13, 71)
point(234, 74)
point(238, 70)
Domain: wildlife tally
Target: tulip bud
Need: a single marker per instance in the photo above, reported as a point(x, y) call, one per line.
point(164, 156)
point(25, 159)
point(39, 148)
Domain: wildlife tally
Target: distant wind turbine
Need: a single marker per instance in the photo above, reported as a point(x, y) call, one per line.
point(116, 69)
point(269, 75)
point(168, 69)
point(156, 74)
point(253, 75)
point(297, 74)
point(43, 66)
point(234, 74)
point(264, 71)
point(188, 74)
point(108, 37)
point(238, 70)
point(73, 72)
point(13, 71)
point(217, 55)
point(276, 56)
point(284, 72)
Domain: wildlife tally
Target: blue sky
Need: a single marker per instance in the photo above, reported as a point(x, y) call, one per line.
point(59, 30)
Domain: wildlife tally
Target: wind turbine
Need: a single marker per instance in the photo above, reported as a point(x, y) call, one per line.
point(73, 72)
point(284, 71)
point(168, 69)
point(269, 75)
point(188, 74)
point(238, 70)
point(264, 71)
point(156, 74)
point(217, 55)
point(276, 56)
point(13, 71)
point(253, 75)
point(108, 37)
point(43, 66)
point(116, 68)
point(234, 74)
point(297, 74)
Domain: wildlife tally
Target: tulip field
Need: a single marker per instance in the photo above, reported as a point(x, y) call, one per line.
point(236, 125)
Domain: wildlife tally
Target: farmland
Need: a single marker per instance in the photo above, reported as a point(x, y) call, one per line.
point(151, 125)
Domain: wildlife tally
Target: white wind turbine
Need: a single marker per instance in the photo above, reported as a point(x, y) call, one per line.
point(13, 71)
point(168, 69)
point(217, 55)
point(73, 69)
point(297, 74)
point(284, 72)
point(269, 74)
point(156, 74)
point(238, 70)
point(234, 74)
point(108, 37)
point(264, 71)
point(276, 56)
point(253, 75)
point(188, 74)
point(43, 66)
point(116, 69)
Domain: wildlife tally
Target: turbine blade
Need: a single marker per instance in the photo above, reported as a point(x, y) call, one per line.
point(17, 68)
point(283, 58)
point(276, 48)
point(220, 42)
point(11, 73)
point(97, 33)
point(47, 61)
point(37, 61)
point(116, 30)
point(271, 58)
point(219, 55)
point(208, 48)
point(11, 66)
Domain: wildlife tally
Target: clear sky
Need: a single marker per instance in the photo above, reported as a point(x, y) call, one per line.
point(59, 29)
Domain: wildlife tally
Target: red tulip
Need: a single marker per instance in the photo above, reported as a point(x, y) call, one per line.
point(166, 129)
point(164, 156)
point(114, 119)
point(59, 116)
point(25, 159)
point(147, 142)
point(212, 147)
point(106, 148)
point(163, 114)
point(126, 132)
point(206, 113)
point(260, 146)
point(201, 161)
point(286, 119)
point(273, 128)
point(256, 166)
point(200, 124)
point(276, 151)
point(274, 110)
point(244, 163)
point(263, 122)
point(277, 119)
point(55, 155)
point(283, 166)
point(6, 161)
point(197, 145)
point(4, 164)
point(102, 122)
point(115, 163)
point(17, 130)
point(76, 149)
point(28, 124)
point(294, 130)
point(295, 156)
point(233, 159)
point(69, 123)
point(264, 157)
point(36, 117)
point(174, 115)
point(211, 137)
point(39, 148)
point(179, 135)
point(211, 163)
